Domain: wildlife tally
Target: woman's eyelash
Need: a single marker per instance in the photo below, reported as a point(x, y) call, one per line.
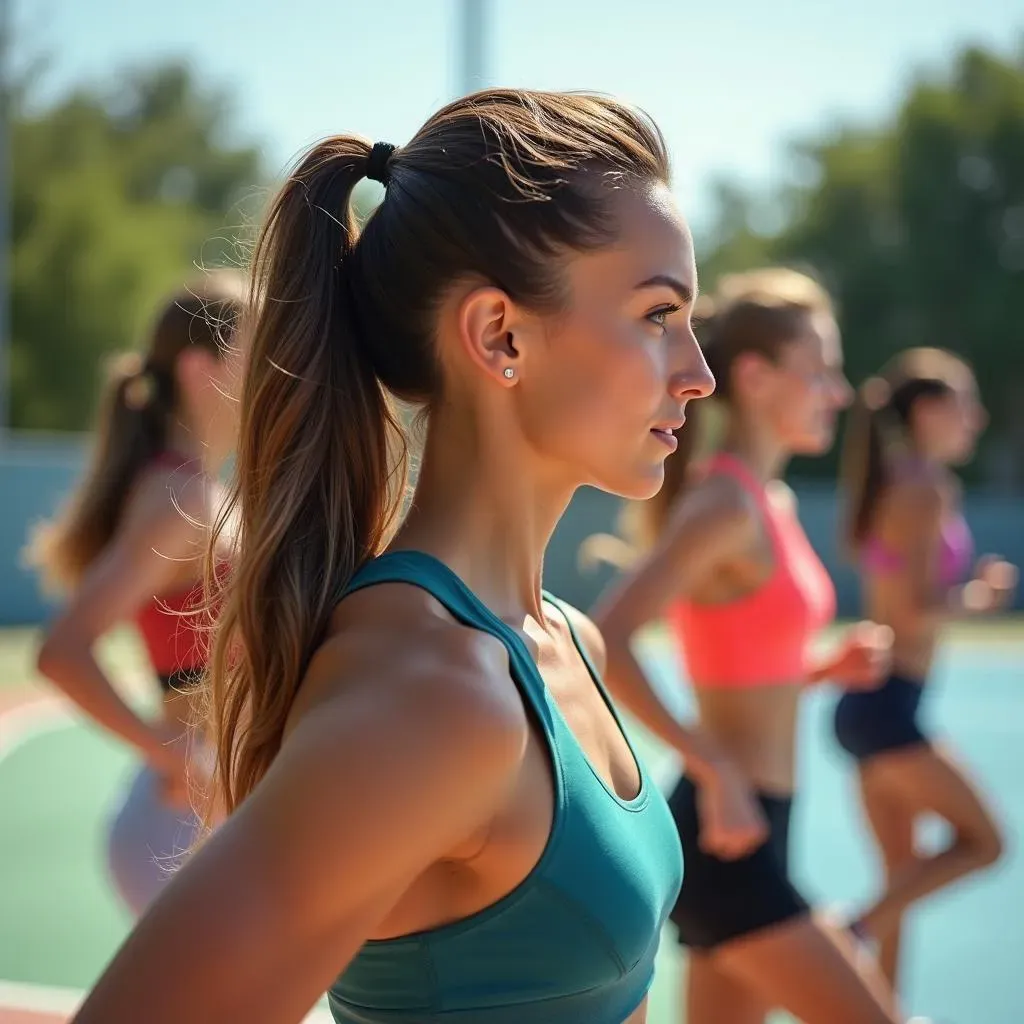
point(660, 315)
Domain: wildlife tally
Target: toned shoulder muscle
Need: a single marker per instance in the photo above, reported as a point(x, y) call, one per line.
point(413, 733)
point(712, 524)
point(911, 521)
point(394, 645)
point(182, 493)
point(158, 543)
point(403, 744)
point(913, 506)
point(717, 517)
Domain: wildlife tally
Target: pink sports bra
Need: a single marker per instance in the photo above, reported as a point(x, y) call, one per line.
point(761, 638)
point(956, 551)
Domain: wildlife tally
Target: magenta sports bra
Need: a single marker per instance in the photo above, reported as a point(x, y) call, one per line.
point(956, 551)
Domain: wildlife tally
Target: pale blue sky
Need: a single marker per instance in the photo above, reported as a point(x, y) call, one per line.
point(728, 82)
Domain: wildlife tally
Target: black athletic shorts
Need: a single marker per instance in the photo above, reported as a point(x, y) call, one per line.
point(869, 722)
point(725, 899)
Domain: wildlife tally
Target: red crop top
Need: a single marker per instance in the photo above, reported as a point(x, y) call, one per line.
point(175, 627)
point(175, 630)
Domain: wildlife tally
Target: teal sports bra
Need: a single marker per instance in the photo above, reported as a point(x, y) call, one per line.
point(575, 941)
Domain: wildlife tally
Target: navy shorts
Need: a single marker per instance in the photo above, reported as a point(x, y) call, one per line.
point(725, 899)
point(870, 722)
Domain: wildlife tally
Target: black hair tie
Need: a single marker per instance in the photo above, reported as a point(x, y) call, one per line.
point(377, 164)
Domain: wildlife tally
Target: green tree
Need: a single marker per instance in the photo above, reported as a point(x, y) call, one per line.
point(918, 229)
point(732, 241)
point(116, 197)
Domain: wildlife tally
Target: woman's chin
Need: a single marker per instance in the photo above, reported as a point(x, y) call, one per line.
point(637, 486)
point(815, 444)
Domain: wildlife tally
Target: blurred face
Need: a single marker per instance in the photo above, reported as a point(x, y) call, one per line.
point(947, 427)
point(210, 383)
point(798, 395)
point(603, 385)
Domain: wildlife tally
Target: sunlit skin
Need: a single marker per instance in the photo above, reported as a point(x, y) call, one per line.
point(716, 549)
point(899, 786)
point(789, 407)
point(158, 548)
point(407, 722)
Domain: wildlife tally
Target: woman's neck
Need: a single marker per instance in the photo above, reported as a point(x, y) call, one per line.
point(758, 448)
point(481, 505)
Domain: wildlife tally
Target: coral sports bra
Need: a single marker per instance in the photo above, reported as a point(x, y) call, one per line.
point(761, 638)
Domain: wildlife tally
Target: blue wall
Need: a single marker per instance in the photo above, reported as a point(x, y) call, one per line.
point(36, 473)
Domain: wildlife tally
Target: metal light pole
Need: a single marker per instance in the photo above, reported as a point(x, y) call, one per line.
point(473, 44)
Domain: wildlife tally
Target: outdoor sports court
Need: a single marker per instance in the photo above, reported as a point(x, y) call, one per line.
point(60, 922)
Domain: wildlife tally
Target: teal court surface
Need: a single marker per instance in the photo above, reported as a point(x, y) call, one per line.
point(59, 921)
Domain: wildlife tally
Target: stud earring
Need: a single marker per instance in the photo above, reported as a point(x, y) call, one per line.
point(509, 372)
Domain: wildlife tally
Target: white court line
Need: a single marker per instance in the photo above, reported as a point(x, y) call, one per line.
point(24, 722)
point(19, 725)
point(40, 715)
point(17, 995)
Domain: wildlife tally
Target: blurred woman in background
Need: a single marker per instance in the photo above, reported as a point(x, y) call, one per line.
point(730, 569)
point(129, 547)
point(910, 425)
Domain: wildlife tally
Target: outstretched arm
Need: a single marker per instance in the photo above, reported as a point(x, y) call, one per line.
point(274, 906)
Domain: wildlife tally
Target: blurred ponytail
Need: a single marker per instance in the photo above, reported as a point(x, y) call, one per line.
point(495, 187)
point(862, 469)
point(879, 431)
point(136, 408)
point(320, 467)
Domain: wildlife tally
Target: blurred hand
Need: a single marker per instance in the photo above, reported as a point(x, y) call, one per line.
point(174, 791)
point(732, 823)
point(168, 757)
point(993, 586)
point(864, 657)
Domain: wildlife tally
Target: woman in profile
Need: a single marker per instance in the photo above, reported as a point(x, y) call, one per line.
point(913, 423)
point(433, 810)
point(729, 568)
point(129, 547)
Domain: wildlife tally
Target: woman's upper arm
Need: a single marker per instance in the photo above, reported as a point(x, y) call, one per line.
point(708, 528)
point(372, 786)
point(143, 559)
point(915, 512)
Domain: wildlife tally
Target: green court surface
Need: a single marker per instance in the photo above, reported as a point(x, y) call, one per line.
point(59, 921)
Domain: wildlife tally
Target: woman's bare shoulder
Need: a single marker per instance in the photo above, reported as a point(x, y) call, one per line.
point(395, 646)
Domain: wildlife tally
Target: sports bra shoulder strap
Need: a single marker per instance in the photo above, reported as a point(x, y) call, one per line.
point(585, 655)
point(729, 465)
point(419, 569)
point(772, 516)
